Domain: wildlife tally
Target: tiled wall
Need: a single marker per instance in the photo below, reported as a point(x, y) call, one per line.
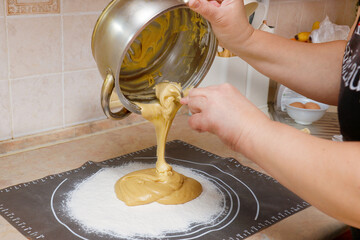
point(48, 78)
point(293, 16)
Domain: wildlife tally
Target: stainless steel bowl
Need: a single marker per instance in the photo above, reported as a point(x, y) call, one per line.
point(184, 52)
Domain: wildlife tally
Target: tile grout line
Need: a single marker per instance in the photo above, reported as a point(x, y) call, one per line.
point(5, 6)
point(325, 9)
point(37, 132)
point(62, 62)
point(36, 15)
point(8, 67)
point(73, 124)
point(68, 140)
point(82, 13)
point(53, 74)
point(343, 13)
point(301, 17)
point(277, 15)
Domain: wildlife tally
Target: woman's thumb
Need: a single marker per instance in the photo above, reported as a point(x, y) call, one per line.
point(205, 8)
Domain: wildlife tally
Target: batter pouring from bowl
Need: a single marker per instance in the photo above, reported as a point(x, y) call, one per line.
point(161, 184)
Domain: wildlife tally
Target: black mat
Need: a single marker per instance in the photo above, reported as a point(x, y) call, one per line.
point(257, 200)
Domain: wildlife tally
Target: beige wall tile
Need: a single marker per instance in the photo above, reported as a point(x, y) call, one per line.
point(77, 42)
point(335, 10)
point(350, 12)
point(37, 104)
point(65, 134)
point(34, 45)
point(289, 18)
point(3, 51)
point(70, 6)
point(18, 7)
point(273, 13)
point(5, 114)
point(2, 11)
point(82, 96)
point(312, 11)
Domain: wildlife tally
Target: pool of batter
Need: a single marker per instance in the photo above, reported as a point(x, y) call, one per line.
point(161, 184)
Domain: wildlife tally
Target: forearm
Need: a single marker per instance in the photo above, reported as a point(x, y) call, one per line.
point(324, 173)
point(313, 70)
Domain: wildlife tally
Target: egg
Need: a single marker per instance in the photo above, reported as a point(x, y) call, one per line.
point(311, 105)
point(297, 104)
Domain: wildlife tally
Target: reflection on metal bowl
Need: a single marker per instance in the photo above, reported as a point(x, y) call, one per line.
point(137, 44)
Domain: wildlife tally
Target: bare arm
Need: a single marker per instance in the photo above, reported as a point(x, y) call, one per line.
point(322, 172)
point(310, 69)
point(313, 70)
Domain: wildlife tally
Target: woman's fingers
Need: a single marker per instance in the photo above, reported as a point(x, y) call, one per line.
point(198, 122)
point(184, 100)
point(198, 99)
point(197, 104)
point(208, 9)
point(204, 92)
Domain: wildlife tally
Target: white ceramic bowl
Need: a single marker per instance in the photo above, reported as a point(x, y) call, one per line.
point(306, 116)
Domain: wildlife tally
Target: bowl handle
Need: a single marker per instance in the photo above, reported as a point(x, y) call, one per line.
point(106, 90)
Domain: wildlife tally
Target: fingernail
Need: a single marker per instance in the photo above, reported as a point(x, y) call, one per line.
point(195, 4)
point(183, 101)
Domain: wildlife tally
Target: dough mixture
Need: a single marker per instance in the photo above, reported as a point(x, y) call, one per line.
point(147, 45)
point(160, 184)
point(156, 39)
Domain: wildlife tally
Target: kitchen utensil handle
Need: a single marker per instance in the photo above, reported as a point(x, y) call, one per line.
point(106, 91)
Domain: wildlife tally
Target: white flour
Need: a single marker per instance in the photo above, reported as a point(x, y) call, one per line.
point(95, 206)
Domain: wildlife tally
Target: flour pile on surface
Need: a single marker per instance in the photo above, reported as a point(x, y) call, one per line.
point(94, 205)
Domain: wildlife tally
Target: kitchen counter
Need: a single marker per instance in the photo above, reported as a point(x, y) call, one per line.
point(326, 127)
point(34, 164)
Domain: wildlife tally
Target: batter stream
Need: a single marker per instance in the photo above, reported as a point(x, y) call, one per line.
point(160, 184)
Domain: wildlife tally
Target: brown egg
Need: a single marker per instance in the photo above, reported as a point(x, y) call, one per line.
point(297, 104)
point(312, 105)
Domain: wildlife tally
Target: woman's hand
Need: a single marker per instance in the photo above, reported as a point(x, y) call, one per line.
point(228, 20)
point(302, 163)
point(225, 112)
point(313, 70)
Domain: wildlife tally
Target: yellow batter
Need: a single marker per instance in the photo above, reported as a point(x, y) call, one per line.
point(147, 45)
point(154, 38)
point(160, 184)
